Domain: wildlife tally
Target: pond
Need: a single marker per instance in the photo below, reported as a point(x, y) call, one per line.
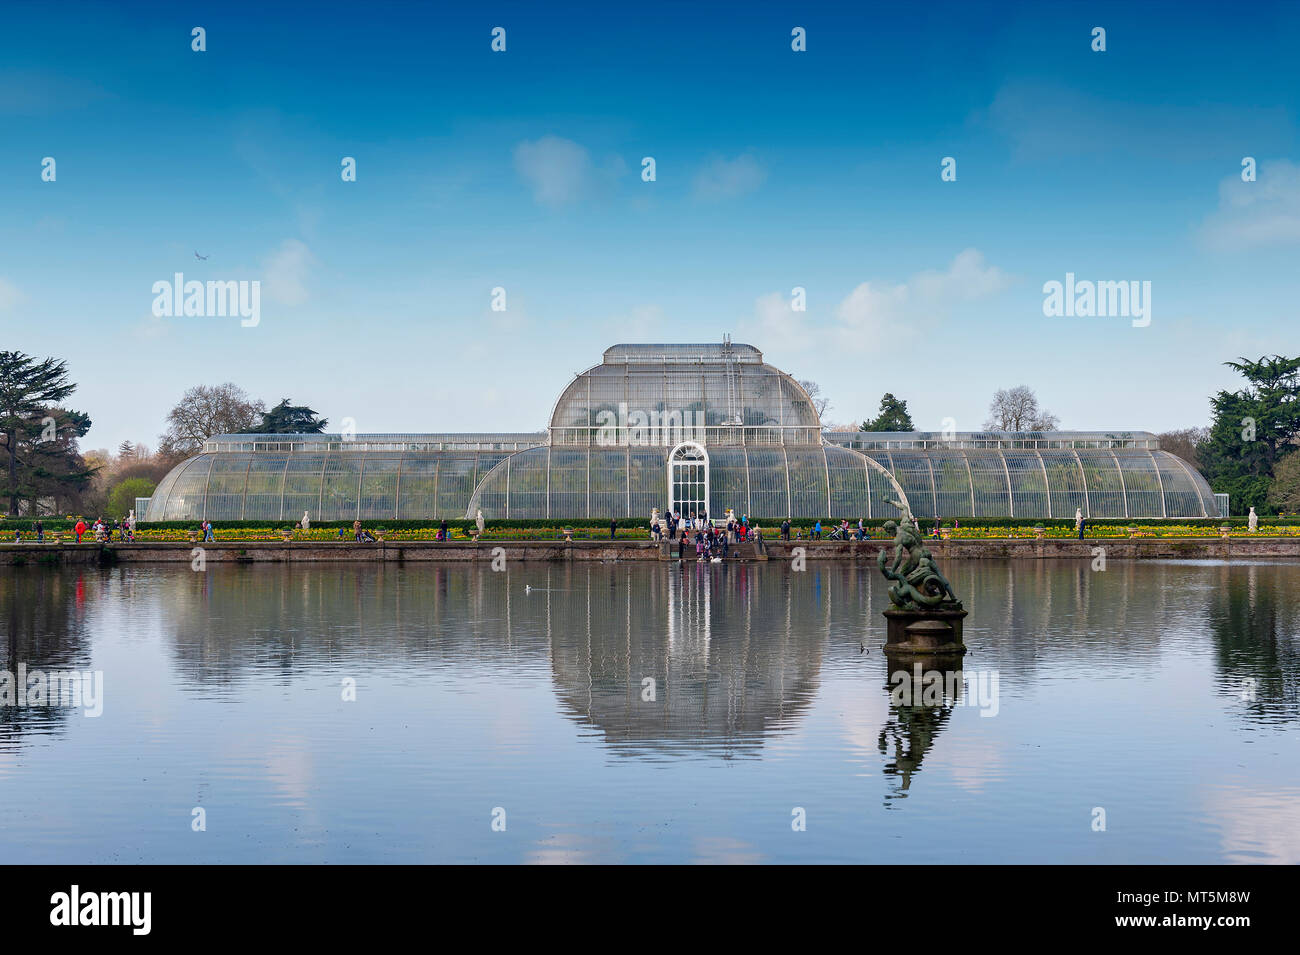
point(646, 712)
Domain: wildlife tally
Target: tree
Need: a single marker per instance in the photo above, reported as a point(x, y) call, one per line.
point(1016, 409)
point(40, 437)
point(122, 498)
point(893, 416)
point(1184, 442)
point(203, 412)
point(1284, 492)
point(1253, 430)
point(111, 471)
point(821, 404)
point(126, 450)
point(285, 418)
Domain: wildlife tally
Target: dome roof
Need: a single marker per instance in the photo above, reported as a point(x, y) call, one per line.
point(723, 391)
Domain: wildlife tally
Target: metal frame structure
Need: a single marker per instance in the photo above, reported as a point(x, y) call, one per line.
point(609, 448)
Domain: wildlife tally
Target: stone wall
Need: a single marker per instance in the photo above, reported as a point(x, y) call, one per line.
point(1241, 548)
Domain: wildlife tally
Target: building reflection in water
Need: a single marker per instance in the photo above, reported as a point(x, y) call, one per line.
point(736, 652)
point(692, 659)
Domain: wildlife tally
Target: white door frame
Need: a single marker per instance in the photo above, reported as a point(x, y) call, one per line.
point(673, 464)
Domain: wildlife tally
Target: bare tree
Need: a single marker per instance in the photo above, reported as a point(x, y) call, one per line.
point(821, 404)
point(204, 411)
point(1016, 409)
point(1184, 443)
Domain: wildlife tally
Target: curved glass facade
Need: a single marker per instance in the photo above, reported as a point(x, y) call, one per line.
point(716, 394)
point(1044, 484)
point(607, 449)
point(630, 482)
point(328, 485)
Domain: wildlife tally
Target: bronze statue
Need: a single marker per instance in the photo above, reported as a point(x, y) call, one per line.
point(917, 582)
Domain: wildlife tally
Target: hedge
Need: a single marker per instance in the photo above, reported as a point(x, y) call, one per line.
point(61, 524)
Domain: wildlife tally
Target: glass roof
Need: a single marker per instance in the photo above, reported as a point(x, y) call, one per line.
point(922, 440)
point(720, 393)
point(711, 352)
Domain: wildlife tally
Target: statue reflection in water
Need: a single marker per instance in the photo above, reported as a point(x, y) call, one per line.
point(922, 691)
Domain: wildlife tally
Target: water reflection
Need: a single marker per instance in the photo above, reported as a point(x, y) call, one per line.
point(44, 630)
point(922, 693)
point(705, 659)
point(684, 706)
point(1254, 620)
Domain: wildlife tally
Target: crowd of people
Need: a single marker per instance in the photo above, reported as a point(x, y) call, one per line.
point(711, 541)
point(100, 531)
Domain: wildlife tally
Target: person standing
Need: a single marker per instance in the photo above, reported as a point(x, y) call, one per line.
point(207, 532)
point(40, 532)
point(442, 530)
point(79, 529)
point(613, 526)
point(817, 531)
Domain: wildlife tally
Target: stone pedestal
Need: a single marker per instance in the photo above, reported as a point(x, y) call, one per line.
point(926, 632)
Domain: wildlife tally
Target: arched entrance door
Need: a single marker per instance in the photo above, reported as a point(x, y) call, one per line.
point(688, 478)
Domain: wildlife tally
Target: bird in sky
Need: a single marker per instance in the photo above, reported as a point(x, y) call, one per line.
point(201, 258)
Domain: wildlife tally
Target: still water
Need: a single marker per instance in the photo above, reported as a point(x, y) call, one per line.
point(1165, 694)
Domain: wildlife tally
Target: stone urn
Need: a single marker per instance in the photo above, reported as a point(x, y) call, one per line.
point(1039, 532)
point(945, 533)
point(1224, 531)
point(568, 534)
point(286, 535)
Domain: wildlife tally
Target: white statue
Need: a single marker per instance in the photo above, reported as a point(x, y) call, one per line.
point(1252, 521)
point(130, 521)
point(305, 523)
point(478, 520)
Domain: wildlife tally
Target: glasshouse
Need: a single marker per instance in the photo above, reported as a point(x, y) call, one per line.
point(695, 428)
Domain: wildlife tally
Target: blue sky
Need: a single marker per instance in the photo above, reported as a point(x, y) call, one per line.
point(522, 169)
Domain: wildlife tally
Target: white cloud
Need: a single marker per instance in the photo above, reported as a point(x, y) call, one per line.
point(728, 178)
point(875, 311)
point(558, 170)
point(1264, 212)
point(1041, 118)
point(10, 295)
point(152, 327)
point(775, 326)
point(881, 311)
point(644, 323)
point(285, 273)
